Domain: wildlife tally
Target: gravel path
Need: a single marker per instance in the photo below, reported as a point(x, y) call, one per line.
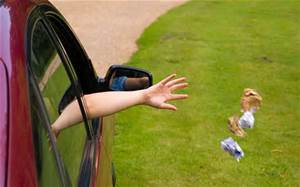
point(108, 29)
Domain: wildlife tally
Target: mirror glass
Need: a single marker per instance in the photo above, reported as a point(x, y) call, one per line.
point(129, 80)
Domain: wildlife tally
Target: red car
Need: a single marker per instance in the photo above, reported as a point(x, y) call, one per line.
point(43, 67)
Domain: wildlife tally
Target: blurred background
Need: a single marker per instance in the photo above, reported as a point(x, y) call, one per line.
point(108, 29)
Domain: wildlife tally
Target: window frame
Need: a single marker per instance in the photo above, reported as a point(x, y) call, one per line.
point(71, 74)
point(33, 19)
point(89, 163)
point(92, 127)
point(85, 67)
point(86, 171)
point(65, 61)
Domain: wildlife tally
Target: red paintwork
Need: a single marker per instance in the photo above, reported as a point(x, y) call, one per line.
point(3, 123)
point(20, 167)
point(20, 164)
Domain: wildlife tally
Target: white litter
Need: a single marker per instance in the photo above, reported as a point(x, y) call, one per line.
point(233, 148)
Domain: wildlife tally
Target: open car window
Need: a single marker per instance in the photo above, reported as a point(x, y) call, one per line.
point(49, 71)
point(80, 64)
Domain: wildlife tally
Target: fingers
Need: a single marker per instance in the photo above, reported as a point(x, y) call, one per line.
point(178, 86)
point(167, 106)
point(178, 96)
point(167, 79)
point(175, 81)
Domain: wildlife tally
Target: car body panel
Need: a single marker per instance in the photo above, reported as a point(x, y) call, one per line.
point(13, 22)
point(105, 156)
point(3, 123)
point(20, 163)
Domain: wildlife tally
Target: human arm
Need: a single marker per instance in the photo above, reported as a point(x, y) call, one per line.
point(106, 103)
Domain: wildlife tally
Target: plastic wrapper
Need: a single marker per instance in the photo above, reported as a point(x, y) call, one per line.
point(233, 148)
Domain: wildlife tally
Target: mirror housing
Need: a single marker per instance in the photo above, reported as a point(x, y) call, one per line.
point(126, 78)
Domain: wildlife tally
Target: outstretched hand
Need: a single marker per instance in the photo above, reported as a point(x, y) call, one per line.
point(107, 103)
point(159, 94)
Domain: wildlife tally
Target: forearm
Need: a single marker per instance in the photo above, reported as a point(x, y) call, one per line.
point(106, 103)
point(70, 116)
point(98, 104)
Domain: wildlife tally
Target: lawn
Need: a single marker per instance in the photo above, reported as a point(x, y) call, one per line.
point(222, 47)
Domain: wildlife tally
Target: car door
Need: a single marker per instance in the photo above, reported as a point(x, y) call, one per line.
point(60, 72)
point(3, 122)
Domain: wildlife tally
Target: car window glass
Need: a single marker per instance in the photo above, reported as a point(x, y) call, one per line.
point(53, 83)
point(46, 165)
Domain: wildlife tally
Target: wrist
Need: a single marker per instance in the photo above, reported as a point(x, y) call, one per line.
point(143, 96)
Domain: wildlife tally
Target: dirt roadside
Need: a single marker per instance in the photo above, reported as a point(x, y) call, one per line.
point(108, 29)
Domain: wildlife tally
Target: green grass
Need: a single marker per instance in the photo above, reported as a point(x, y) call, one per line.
point(222, 47)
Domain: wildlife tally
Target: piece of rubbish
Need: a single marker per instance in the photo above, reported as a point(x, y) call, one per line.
point(250, 103)
point(250, 100)
point(234, 126)
point(247, 120)
point(233, 148)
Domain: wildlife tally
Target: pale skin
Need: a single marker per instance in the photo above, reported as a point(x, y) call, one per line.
point(107, 103)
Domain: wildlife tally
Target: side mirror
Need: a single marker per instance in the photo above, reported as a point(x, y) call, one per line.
point(125, 78)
